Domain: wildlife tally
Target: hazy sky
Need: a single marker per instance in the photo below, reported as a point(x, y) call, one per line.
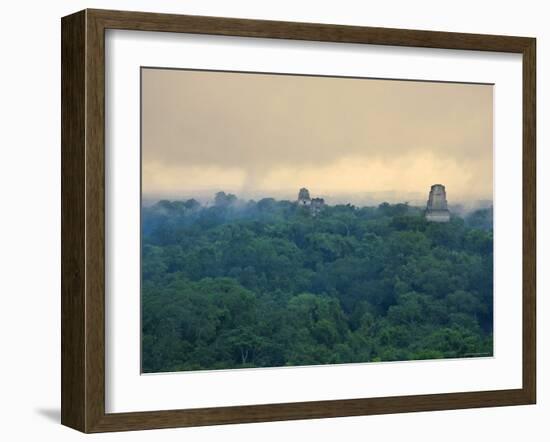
point(260, 135)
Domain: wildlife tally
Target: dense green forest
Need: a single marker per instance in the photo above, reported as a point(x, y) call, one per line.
point(267, 283)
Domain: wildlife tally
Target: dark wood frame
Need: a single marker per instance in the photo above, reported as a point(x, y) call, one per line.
point(83, 217)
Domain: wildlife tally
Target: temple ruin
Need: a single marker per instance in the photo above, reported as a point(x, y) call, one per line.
point(303, 197)
point(436, 209)
point(315, 205)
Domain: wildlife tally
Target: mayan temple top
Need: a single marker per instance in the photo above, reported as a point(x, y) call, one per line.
point(315, 205)
point(303, 197)
point(436, 209)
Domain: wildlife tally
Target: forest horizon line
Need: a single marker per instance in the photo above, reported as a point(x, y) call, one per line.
point(208, 198)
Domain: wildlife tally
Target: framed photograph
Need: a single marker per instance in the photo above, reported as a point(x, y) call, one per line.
point(269, 220)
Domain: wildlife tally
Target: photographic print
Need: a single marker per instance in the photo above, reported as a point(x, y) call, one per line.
point(299, 220)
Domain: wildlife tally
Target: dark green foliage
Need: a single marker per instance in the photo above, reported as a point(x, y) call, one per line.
point(245, 284)
point(481, 219)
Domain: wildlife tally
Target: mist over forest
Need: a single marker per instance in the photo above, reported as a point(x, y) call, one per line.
point(235, 283)
point(206, 198)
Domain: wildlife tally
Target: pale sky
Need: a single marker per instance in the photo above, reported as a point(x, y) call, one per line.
point(260, 135)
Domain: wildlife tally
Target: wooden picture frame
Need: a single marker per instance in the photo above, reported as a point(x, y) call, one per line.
point(83, 220)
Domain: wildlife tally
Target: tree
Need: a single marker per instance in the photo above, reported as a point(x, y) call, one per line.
point(224, 200)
